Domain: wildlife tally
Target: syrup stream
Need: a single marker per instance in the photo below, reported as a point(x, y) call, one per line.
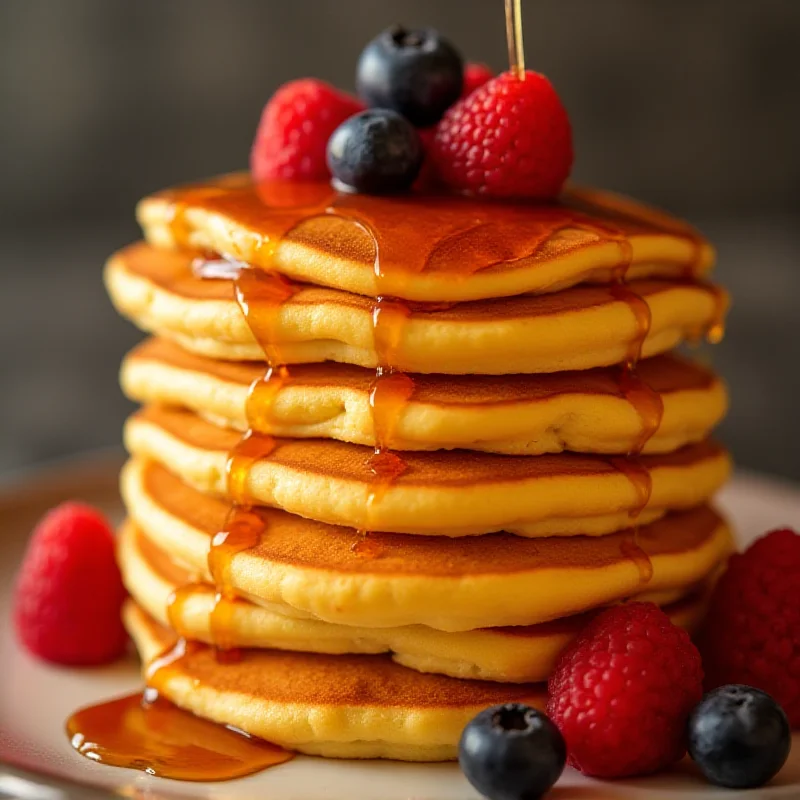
point(516, 50)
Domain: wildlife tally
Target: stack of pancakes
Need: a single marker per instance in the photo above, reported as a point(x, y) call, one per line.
point(394, 452)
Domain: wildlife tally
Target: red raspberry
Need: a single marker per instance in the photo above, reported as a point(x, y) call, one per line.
point(69, 591)
point(509, 138)
point(752, 631)
point(623, 690)
point(294, 130)
point(475, 75)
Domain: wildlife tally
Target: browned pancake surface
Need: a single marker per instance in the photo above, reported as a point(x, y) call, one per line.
point(172, 270)
point(294, 540)
point(323, 680)
point(450, 233)
point(664, 374)
point(163, 566)
point(445, 468)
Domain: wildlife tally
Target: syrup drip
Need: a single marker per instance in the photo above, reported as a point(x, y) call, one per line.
point(261, 295)
point(367, 546)
point(647, 403)
point(716, 329)
point(640, 479)
point(387, 398)
point(262, 396)
point(176, 605)
point(416, 233)
point(642, 318)
point(631, 548)
point(242, 531)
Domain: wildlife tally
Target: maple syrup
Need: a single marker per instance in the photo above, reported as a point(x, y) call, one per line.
point(715, 332)
point(367, 546)
point(631, 549)
point(144, 731)
point(516, 50)
point(262, 395)
point(415, 233)
point(242, 531)
point(409, 235)
point(639, 477)
point(648, 404)
point(175, 608)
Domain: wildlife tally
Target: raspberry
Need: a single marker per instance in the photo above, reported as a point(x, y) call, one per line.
point(69, 591)
point(509, 138)
point(752, 631)
point(475, 75)
point(294, 130)
point(622, 692)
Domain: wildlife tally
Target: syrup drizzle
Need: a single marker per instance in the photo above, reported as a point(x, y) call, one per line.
point(715, 331)
point(648, 405)
point(404, 244)
point(176, 608)
point(242, 532)
point(415, 233)
point(389, 396)
point(261, 295)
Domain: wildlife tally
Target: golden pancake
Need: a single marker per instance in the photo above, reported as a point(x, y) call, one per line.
point(441, 493)
point(345, 706)
point(424, 247)
point(526, 654)
point(580, 328)
point(311, 569)
point(591, 411)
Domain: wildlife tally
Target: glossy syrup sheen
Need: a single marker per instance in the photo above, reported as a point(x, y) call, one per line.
point(147, 732)
point(409, 235)
point(417, 232)
point(144, 731)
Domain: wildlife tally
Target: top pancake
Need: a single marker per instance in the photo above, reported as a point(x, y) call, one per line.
point(428, 248)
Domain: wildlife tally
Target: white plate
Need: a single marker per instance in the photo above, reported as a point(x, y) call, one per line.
point(36, 699)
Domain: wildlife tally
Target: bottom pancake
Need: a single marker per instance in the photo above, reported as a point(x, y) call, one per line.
point(344, 706)
point(524, 654)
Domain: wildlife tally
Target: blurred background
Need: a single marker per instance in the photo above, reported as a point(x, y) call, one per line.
point(690, 104)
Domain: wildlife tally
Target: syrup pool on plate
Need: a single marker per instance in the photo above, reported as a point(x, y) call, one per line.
point(144, 731)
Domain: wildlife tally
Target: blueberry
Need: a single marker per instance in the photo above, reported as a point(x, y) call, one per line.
point(376, 151)
point(739, 737)
point(419, 74)
point(512, 752)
